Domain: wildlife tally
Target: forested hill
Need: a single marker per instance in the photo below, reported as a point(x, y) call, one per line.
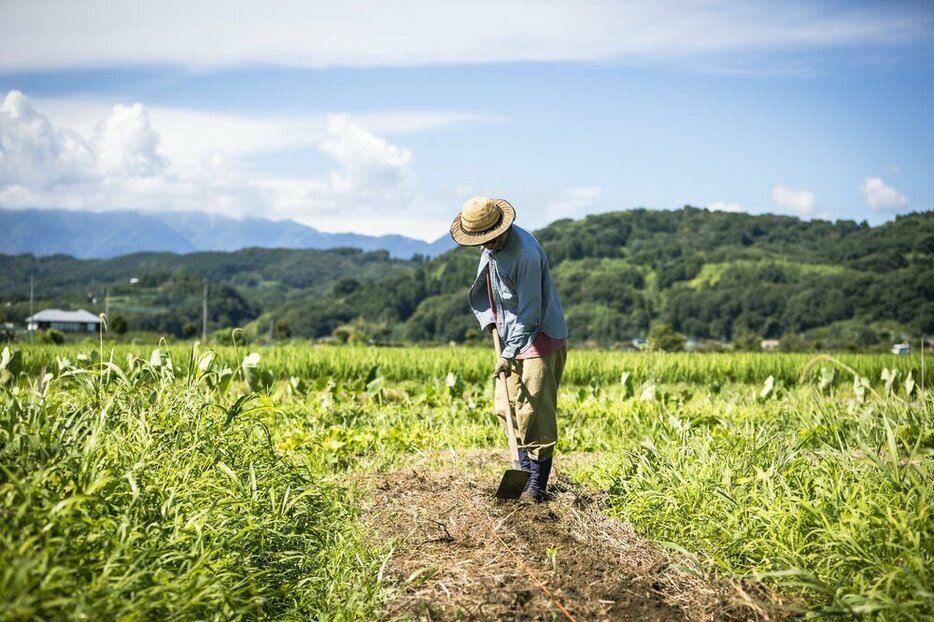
point(163, 292)
point(709, 275)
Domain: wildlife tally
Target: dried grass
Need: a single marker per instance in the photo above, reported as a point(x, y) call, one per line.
point(458, 553)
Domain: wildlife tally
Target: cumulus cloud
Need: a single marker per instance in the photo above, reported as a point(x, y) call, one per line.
point(126, 145)
point(365, 159)
point(372, 180)
point(188, 136)
point(798, 202)
point(880, 196)
point(120, 166)
point(34, 153)
point(131, 156)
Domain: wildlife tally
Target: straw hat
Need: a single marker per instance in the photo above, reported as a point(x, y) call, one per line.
point(482, 219)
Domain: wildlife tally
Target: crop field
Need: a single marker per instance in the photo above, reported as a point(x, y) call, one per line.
point(215, 483)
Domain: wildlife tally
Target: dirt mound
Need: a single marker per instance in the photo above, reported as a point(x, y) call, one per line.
point(459, 553)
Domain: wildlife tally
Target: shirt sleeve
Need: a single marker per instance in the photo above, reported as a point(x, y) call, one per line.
point(479, 300)
point(529, 309)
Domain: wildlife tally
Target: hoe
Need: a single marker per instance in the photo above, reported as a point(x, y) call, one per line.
point(514, 479)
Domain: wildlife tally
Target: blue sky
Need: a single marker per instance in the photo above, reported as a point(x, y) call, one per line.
point(383, 117)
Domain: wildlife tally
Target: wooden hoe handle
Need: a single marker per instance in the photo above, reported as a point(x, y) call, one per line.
point(507, 408)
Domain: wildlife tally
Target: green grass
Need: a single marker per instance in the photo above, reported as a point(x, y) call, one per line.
point(826, 497)
point(172, 484)
point(711, 273)
point(422, 364)
point(132, 493)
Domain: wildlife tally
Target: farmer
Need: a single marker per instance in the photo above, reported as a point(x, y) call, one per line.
point(514, 294)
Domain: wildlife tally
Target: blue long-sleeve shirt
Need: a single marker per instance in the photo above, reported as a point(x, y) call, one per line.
point(523, 291)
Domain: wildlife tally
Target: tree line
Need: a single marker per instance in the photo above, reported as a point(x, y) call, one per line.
point(708, 276)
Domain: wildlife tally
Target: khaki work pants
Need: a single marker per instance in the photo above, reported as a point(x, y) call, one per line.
point(533, 392)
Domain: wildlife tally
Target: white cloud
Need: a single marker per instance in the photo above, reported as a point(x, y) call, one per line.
point(365, 159)
point(573, 203)
point(120, 166)
point(726, 206)
point(126, 145)
point(370, 188)
point(411, 32)
point(798, 202)
point(880, 196)
point(187, 136)
point(35, 153)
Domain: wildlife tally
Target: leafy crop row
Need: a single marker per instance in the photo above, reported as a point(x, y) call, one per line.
point(200, 483)
point(129, 492)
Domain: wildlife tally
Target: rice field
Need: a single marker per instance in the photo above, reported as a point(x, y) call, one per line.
point(216, 483)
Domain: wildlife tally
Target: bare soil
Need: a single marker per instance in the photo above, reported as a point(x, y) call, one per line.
point(461, 554)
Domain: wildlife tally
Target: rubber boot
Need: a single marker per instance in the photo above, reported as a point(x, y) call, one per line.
point(544, 472)
point(526, 464)
point(538, 481)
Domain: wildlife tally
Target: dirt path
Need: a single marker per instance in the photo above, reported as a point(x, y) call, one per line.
point(460, 554)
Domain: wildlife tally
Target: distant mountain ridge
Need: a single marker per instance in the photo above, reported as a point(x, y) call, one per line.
point(102, 235)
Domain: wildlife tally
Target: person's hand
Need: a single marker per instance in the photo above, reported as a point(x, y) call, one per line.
point(503, 366)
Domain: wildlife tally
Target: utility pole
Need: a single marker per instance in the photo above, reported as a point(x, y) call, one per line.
point(107, 304)
point(204, 314)
point(32, 292)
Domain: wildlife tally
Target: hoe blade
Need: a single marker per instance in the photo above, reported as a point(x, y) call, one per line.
point(513, 484)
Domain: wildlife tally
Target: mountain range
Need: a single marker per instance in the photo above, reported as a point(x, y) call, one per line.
point(101, 235)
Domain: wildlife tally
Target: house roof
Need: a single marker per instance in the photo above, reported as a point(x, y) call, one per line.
point(57, 315)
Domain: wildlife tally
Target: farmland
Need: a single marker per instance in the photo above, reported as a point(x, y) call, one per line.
point(222, 482)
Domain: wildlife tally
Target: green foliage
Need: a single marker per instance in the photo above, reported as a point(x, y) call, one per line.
point(160, 497)
point(118, 324)
point(349, 334)
point(190, 483)
point(747, 342)
point(819, 495)
point(662, 338)
point(709, 275)
point(168, 294)
point(50, 335)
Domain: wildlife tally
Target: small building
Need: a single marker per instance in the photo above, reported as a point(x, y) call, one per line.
point(770, 344)
point(902, 349)
point(79, 321)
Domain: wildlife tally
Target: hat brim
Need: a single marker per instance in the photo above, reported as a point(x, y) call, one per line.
point(466, 238)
